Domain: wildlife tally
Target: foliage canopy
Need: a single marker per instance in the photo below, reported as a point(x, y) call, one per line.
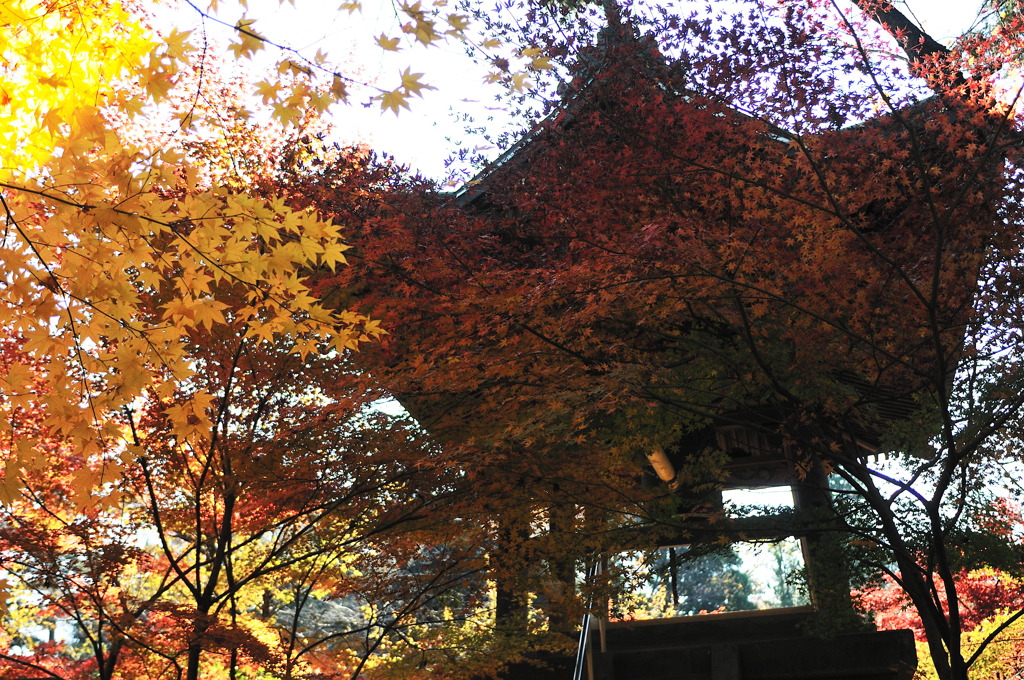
point(746, 218)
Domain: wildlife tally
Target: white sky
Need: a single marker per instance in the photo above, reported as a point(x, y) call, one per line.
point(418, 137)
point(943, 19)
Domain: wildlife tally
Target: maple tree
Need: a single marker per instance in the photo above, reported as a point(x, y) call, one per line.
point(97, 223)
point(779, 226)
point(187, 472)
point(209, 556)
point(707, 261)
point(113, 254)
point(984, 593)
point(92, 186)
point(989, 600)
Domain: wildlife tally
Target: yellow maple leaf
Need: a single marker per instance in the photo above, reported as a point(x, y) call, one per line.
point(421, 27)
point(83, 481)
point(372, 327)
point(338, 89)
point(268, 91)
point(414, 10)
point(176, 43)
point(333, 254)
point(208, 312)
point(9, 14)
point(11, 484)
point(458, 22)
point(18, 379)
point(306, 346)
point(520, 82)
point(319, 100)
point(411, 83)
point(249, 41)
point(179, 311)
point(202, 403)
point(389, 44)
point(393, 100)
point(541, 64)
point(287, 113)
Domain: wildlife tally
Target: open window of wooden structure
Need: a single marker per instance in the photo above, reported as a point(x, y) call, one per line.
point(734, 578)
point(684, 581)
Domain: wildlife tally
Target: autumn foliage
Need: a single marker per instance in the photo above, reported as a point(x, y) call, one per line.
point(983, 593)
point(112, 257)
point(788, 239)
point(179, 447)
point(743, 218)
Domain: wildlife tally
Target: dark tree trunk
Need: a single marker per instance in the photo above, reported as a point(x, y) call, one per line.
point(509, 570)
point(563, 570)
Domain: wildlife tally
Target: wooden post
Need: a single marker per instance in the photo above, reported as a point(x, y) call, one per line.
point(828, 574)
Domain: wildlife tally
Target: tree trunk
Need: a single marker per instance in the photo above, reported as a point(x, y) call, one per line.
point(508, 568)
point(109, 661)
point(563, 570)
point(195, 642)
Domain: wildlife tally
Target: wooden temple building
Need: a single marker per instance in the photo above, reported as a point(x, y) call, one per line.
point(822, 640)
